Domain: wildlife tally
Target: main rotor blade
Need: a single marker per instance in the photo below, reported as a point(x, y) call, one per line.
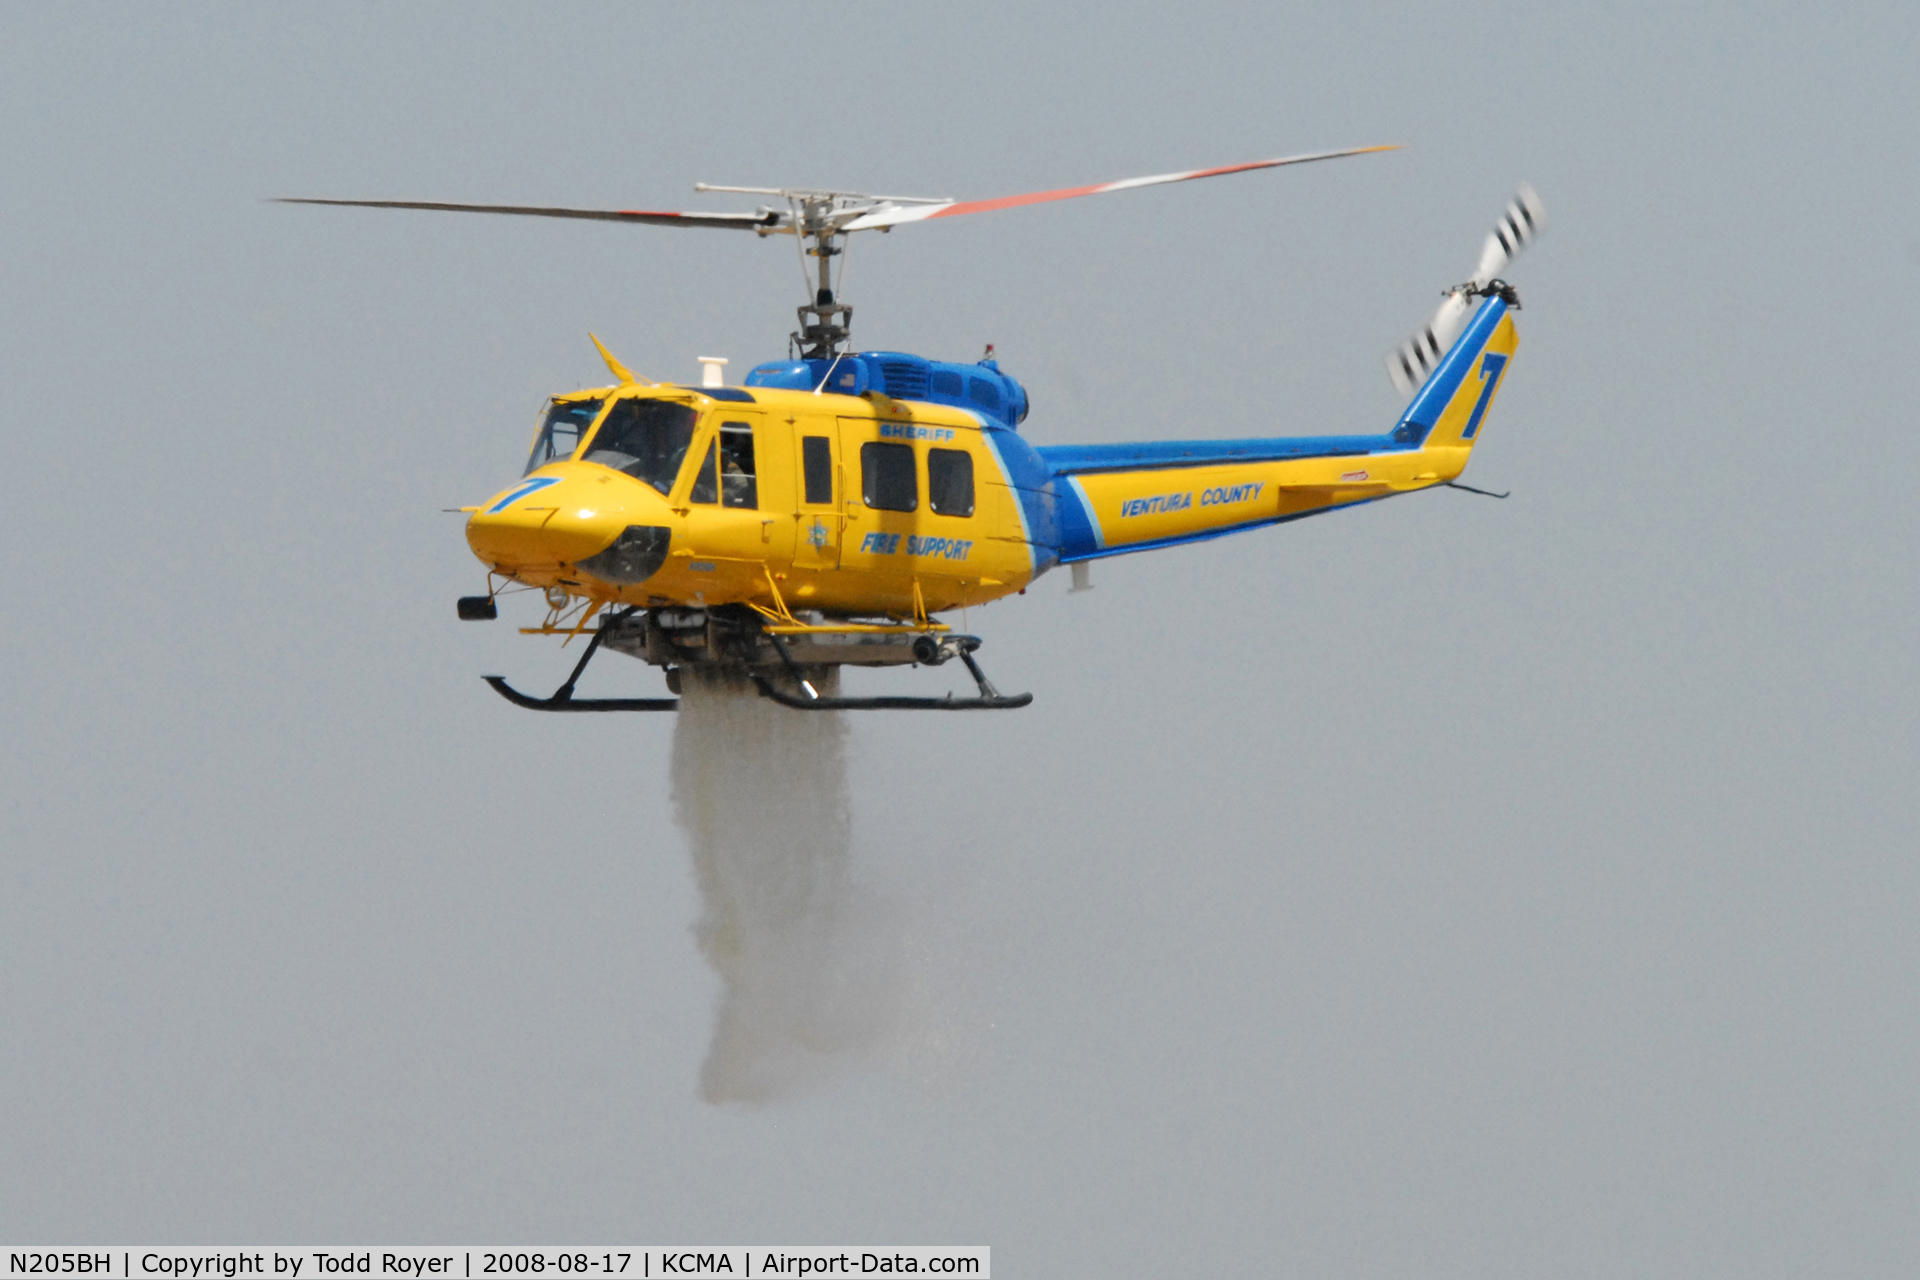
point(736, 221)
point(893, 215)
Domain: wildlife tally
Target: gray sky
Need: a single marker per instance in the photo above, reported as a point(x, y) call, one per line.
point(1451, 887)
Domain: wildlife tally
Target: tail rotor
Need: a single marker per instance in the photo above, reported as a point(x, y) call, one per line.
point(1410, 363)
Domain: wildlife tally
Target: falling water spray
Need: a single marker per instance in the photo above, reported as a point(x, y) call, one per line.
point(807, 969)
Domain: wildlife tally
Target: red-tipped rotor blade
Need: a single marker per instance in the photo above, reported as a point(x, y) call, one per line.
point(893, 215)
point(736, 221)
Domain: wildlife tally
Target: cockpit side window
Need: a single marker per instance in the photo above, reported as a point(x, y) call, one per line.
point(739, 487)
point(560, 434)
point(705, 488)
point(726, 474)
point(647, 439)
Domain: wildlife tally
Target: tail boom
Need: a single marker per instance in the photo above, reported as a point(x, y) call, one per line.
point(1125, 498)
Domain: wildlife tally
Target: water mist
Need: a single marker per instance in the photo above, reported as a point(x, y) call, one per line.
point(808, 968)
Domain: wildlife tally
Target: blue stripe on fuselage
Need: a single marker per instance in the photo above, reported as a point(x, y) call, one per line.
point(1085, 504)
point(1155, 455)
point(1033, 487)
point(525, 490)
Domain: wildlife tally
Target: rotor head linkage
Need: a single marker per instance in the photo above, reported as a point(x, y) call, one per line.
point(820, 216)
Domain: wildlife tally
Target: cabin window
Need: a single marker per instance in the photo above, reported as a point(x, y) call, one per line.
point(560, 433)
point(950, 482)
point(887, 482)
point(738, 485)
point(816, 460)
point(705, 487)
point(646, 439)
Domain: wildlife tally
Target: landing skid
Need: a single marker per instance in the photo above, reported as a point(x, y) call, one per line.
point(563, 699)
point(990, 699)
point(927, 650)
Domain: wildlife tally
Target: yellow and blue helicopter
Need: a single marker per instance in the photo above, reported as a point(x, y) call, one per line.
point(829, 510)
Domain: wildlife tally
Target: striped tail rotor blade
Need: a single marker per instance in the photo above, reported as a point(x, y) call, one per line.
point(890, 215)
point(1410, 363)
point(1525, 218)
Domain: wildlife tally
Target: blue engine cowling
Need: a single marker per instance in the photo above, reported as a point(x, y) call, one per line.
point(980, 387)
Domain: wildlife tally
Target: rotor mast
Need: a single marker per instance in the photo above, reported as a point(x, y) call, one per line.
point(825, 324)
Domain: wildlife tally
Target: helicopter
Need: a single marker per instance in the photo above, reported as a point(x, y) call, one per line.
point(827, 510)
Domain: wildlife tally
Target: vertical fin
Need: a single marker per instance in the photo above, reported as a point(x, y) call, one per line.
point(1452, 407)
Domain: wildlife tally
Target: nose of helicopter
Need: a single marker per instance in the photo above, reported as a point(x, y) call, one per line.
point(548, 523)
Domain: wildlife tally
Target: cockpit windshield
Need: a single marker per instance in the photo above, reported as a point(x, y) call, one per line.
point(560, 435)
point(647, 439)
